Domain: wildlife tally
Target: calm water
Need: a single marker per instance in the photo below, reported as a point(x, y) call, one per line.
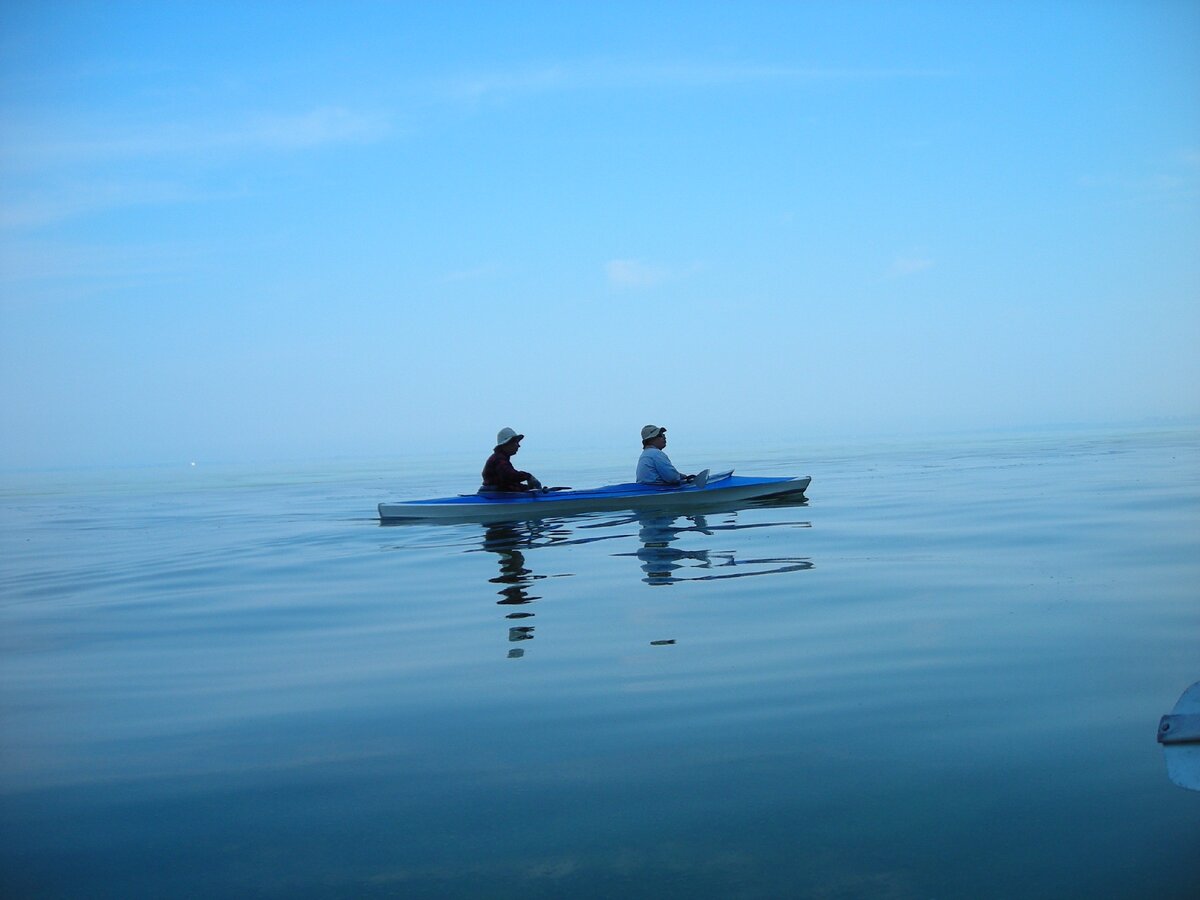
point(939, 677)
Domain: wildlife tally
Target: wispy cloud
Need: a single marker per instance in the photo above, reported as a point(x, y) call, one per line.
point(612, 75)
point(329, 125)
point(68, 202)
point(52, 174)
point(32, 147)
point(31, 270)
point(474, 274)
point(1157, 183)
point(630, 273)
point(633, 273)
point(904, 266)
point(1176, 177)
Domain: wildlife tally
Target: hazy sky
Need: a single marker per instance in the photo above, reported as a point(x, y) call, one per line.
point(250, 230)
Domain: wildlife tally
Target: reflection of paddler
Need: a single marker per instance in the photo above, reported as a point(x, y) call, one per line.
point(503, 540)
point(661, 561)
point(659, 558)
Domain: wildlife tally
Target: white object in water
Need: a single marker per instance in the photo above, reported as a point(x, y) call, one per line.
point(1179, 733)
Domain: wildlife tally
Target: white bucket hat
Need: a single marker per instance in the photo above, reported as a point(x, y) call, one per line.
point(507, 434)
point(650, 432)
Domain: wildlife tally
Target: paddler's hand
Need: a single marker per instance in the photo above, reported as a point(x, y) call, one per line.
point(534, 483)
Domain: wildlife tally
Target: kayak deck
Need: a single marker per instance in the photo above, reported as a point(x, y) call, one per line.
point(721, 489)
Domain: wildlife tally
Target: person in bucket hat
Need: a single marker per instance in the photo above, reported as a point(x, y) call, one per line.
point(499, 474)
point(654, 466)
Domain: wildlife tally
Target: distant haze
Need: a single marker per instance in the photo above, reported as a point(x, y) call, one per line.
point(242, 231)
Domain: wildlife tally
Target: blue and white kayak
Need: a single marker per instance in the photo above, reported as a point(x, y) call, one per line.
point(719, 488)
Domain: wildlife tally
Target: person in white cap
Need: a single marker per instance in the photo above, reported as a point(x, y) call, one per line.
point(654, 466)
point(499, 474)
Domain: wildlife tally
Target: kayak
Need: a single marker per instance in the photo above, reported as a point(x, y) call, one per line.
point(723, 487)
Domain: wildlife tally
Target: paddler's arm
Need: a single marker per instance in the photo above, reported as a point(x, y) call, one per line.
point(515, 479)
point(527, 477)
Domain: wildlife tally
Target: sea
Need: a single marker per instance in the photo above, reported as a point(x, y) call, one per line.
point(939, 676)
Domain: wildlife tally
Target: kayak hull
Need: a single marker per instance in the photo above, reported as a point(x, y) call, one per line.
point(476, 507)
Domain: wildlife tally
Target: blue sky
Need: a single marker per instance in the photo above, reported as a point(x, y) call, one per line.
point(248, 231)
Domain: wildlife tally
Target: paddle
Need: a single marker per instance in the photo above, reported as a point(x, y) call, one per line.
point(512, 495)
point(706, 477)
point(1179, 733)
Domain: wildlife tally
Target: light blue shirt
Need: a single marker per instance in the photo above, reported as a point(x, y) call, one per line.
point(654, 467)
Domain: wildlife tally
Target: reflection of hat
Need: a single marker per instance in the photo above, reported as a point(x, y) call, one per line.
point(650, 432)
point(506, 435)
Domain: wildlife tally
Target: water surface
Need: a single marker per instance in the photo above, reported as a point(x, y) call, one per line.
point(938, 677)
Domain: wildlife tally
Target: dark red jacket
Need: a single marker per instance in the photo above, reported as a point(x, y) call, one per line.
point(499, 474)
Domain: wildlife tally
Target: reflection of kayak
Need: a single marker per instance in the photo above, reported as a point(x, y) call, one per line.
point(723, 487)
